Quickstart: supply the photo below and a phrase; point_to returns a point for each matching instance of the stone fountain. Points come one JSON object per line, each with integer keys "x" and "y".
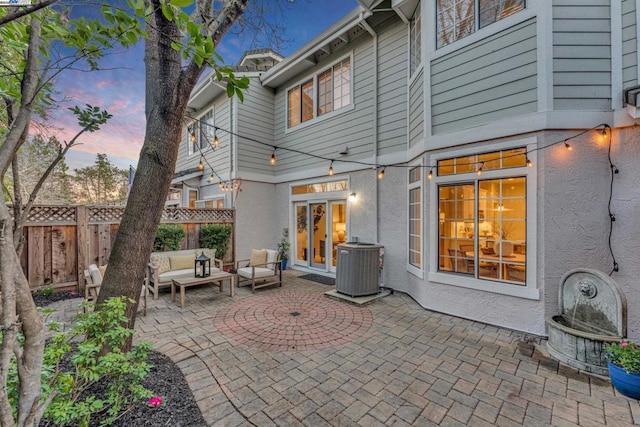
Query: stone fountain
{"x": 593, "y": 313}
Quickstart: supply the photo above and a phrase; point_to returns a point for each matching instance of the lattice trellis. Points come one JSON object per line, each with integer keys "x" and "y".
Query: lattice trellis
{"x": 197, "y": 215}
{"x": 105, "y": 214}
{"x": 51, "y": 214}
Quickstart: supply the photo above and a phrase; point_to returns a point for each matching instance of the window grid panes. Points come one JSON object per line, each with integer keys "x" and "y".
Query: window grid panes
{"x": 321, "y": 187}
{"x": 206, "y": 130}
{"x": 482, "y": 229}
{"x": 504, "y": 159}
{"x": 415, "y": 217}
{"x": 415, "y": 41}
{"x": 333, "y": 93}
{"x": 456, "y": 19}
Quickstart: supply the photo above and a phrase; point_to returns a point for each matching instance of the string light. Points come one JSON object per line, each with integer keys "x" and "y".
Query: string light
{"x": 529, "y": 162}
{"x": 381, "y": 173}
{"x": 273, "y": 157}
{"x": 216, "y": 140}
{"x": 331, "y": 168}
{"x": 430, "y": 176}
{"x": 480, "y": 168}
{"x": 193, "y": 136}
{"x": 211, "y": 178}
{"x": 567, "y": 146}
{"x": 201, "y": 164}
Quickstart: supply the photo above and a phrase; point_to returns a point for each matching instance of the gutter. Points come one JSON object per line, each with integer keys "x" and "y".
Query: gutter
{"x": 353, "y": 19}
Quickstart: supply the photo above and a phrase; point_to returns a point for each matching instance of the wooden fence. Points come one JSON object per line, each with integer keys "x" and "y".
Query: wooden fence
{"x": 61, "y": 241}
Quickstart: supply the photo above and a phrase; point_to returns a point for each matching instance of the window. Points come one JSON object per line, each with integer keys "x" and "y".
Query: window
{"x": 456, "y": 19}
{"x": 482, "y": 223}
{"x": 333, "y": 93}
{"x": 191, "y": 138}
{"x": 206, "y": 130}
{"x": 415, "y": 34}
{"x": 415, "y": 217}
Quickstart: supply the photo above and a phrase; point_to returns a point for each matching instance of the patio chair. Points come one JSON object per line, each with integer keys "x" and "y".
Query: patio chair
{"x": 263, "y": 269}
{"x": 93, "y": 281}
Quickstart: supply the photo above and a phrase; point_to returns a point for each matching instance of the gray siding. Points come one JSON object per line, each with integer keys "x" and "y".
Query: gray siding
{"x": 218, "y": 159}
{"x": 392, "y": 86}
{"x": 581, "y": 55}
{"x": 492, "y": 79}
{"x": 255, "y": 121}
{"x": 416, "y": 109}
{"x": 352, "y": 127}
{"x": 629, "y": 44}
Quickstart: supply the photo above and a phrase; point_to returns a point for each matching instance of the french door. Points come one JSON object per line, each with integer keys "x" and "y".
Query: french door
{"x": 320, "y": 226}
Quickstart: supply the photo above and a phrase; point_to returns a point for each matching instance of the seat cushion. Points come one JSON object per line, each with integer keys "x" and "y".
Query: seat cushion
{"x": 161, "y": 261}
{"x": 260, "y": 272}
{"x": 258, "y": 257}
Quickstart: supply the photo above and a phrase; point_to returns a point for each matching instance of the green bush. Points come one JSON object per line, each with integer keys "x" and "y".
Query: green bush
{"x": 168, "y": 237}
{"x": 218, "y": 237}
{"x": 70, "y": 371}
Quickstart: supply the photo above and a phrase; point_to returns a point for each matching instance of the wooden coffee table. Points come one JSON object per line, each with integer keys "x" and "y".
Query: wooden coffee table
{"x": 186, "y": 281}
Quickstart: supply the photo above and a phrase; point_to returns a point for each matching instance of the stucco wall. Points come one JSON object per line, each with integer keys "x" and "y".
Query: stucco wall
{"x": 363, "y": 213}
{"x": 256, "y": 217}
{"x": 626, "y": 228}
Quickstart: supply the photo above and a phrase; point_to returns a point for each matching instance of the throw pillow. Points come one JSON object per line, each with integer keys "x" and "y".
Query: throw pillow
{"x": 182, "y": 262}
{"x": 210, "y": 253}
{"x": 161, "y": 261}
{"x": 94, "y": 272}
{"x": 258, "y": 257}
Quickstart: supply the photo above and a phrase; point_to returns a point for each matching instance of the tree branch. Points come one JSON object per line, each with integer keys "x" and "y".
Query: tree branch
{"x": 19, "y": 13}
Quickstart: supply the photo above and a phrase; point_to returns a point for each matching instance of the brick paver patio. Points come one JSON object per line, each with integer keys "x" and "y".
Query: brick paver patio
{"x": 290, "y": 356}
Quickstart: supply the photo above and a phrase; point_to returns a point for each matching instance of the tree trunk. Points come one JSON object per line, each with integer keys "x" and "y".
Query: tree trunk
{"x": 167, "y": 91}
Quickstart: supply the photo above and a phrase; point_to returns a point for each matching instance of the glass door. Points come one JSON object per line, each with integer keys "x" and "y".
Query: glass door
{"x": 302, "y": 234}
{"x": 318, "y": 235}
{"x": 338, "y": 221}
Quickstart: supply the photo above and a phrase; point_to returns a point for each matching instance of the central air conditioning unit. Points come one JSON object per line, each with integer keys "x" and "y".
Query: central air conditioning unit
{"x": 358, "y": 268}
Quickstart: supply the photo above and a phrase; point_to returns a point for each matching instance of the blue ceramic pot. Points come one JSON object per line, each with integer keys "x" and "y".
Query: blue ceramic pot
{"x": 284, "y": 264}
{"x": 626, "y": 383}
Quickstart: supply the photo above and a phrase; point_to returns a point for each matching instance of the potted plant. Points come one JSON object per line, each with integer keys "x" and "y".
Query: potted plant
{"x": 624, "y": 367}
{"x": 283, "y": 251}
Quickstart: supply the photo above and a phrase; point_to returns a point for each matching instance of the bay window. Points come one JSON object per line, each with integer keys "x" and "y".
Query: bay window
{"x": 482, "y": 218}
{"x": 456, "y": 19}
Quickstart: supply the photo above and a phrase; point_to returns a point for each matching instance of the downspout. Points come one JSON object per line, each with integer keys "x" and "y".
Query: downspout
{"x": 374, "y": 35}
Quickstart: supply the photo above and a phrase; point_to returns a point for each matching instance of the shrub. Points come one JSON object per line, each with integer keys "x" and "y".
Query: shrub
{"x": 214, "y": 236}
{"x": 168, "y": 237}
{"x": 625, "y": 355}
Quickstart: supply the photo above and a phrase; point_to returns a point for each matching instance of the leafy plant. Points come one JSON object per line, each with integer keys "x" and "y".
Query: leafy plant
{"x": 215, "y": 236}
{"x": 46, "y": 292}
{"x": 283, "y": 248}
{"x": 625, "y": 355}
{"x": 168, "y": 237}
{"x": 69, "y": 370}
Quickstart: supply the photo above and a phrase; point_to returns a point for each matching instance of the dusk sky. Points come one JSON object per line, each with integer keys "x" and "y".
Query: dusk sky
{"x": 119, "y": 88}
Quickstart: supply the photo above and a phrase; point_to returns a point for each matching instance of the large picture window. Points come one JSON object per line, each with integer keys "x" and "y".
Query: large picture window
{"x": 482, "y": 223}
{"x": 305, "y": 102}
{"x": 456, "y": 19}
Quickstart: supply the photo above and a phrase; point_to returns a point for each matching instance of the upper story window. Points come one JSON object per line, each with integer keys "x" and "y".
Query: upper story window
{"x": 305, "y": 102}
{"x": 456, "y": 19}
{"x": 200, "y": 133}
{"x": 415, "y": 34}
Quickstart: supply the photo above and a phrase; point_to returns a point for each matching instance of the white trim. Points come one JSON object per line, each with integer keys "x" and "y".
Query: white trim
{"x": 637, "y": 42}
{"x": 544, "y": 41}
{"x": 529, "y": 291}
{"x": 481, "y": 33}
{"x": 410, "y": 74}
{"x": 616, "y": 54}
{"x": 314, "y": 78}
{"x": 416, "y": 271}
{"x": 519, "y": 125}
{"x": 428, "y": 45}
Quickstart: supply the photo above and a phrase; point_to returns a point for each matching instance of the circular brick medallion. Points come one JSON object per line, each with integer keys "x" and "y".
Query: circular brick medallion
{"x": 293, "y": 321}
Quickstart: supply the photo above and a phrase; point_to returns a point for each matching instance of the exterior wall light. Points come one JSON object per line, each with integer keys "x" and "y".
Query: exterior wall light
{"x": 353, "y": 197}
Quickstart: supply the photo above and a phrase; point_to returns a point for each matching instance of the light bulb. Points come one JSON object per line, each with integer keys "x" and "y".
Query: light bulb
{"x": 381, "y": 174}
{"x": 193, "y": 137}
{"x": 529, "y": 162}
{"x": 273, "y": 159}
{"x": 568, "y": 146}
{"x": 211, "y": 178}
{"x": 430, "y": 174}
{"x": 216, "y": 141}
{"x": 480, "y": 168}
{"x": 331, "y": 168}
{"x": 200, "y": 165}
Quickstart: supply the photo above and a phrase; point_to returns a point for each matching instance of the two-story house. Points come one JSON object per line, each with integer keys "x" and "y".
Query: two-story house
{"x": 465, "y": 136}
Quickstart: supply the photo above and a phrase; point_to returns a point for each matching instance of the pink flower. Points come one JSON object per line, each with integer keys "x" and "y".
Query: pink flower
{"x": 155, "y": 401}
{"x": 73, "y": 293}
{"x": 624, "y": 344}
